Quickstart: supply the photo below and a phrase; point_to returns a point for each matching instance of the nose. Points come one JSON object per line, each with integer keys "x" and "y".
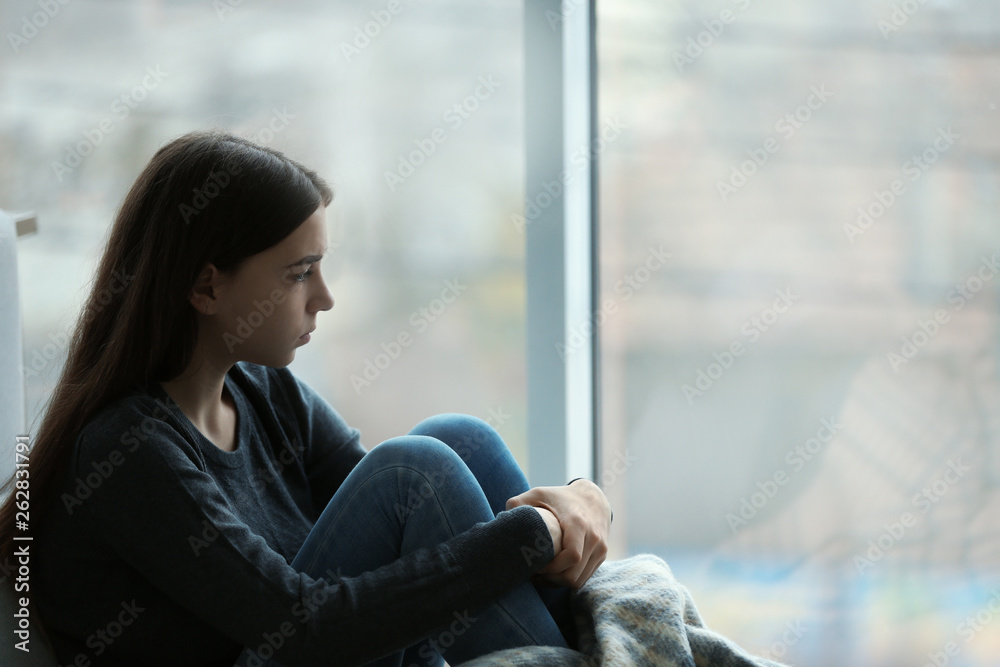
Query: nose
{"x": 322, "y": 299}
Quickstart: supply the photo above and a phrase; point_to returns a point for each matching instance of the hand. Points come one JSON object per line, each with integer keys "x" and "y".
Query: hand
{"x": 584, "y": 516}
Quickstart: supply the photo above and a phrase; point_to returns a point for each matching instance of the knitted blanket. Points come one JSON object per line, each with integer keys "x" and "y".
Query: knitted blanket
{"x": 633, "y": 613}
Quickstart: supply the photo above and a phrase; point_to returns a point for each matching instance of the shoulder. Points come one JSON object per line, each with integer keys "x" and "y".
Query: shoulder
{"x": 138, "y": 413}
{"x": 139, "y": 422}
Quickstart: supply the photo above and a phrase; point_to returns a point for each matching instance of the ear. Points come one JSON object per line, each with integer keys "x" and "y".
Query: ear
{"x": 207, "y": 288}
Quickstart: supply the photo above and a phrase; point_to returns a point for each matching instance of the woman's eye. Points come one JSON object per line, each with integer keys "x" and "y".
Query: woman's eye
{"x": 301, "y": 277}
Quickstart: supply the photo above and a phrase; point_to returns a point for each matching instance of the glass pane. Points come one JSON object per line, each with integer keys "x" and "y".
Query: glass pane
{"x": 414, "y": 115}
{"x": 800, "y": 403}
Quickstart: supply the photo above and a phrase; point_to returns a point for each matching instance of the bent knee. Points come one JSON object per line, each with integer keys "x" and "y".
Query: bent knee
{"x": 463, "y": 433}
{"x": 450, "y": 422}
{"x": 412, "y": 451}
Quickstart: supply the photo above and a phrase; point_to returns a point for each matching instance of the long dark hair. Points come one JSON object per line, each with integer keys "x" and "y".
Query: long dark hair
{"x": 206, "y": 197}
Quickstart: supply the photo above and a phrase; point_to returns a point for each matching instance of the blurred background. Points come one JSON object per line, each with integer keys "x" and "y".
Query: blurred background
{"x": 800, "y": 404}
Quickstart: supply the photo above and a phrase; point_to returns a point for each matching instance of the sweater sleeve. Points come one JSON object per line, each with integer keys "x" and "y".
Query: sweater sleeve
{"x": 169, "y": 521}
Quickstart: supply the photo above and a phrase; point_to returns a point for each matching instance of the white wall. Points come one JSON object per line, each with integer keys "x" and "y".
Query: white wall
{"x": 11, "y": 375}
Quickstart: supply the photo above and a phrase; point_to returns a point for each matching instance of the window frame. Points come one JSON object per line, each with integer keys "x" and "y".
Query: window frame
{"x": 561, "y": 267}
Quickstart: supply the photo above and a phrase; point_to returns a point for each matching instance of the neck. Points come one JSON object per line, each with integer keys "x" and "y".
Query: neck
{"x": 198, "y": 392}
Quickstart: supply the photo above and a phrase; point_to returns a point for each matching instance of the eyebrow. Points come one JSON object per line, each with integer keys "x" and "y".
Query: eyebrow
{"x": 308, "y": 259}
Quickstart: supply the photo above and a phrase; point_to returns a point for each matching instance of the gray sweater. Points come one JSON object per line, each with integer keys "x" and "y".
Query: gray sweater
{"x": 163, "y": 549}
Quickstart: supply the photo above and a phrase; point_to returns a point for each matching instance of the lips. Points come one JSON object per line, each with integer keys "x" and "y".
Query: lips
{"x": 306, "y": 337}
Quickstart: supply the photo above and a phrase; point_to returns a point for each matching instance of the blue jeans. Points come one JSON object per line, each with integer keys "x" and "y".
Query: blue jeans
{"x": 450, "y": 473}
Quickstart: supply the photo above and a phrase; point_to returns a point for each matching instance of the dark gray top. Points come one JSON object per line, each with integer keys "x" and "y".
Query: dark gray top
{"x": 163, "y": 549}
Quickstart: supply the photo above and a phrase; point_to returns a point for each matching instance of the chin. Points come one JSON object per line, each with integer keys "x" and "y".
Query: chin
{"x": 284, "y": 362}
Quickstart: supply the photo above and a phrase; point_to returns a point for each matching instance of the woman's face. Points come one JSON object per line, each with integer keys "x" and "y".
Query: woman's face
{"x": 267, "y": 308}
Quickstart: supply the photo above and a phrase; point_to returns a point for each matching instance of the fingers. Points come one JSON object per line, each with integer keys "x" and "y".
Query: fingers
{"x": 597, "y": 556}
{"x": 567, "y": 563}
{"x": 583, "y": 552}
{"x": 583, "y": 519}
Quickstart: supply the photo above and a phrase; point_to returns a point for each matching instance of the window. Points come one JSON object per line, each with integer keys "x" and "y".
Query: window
{"x": 798, "y": 237}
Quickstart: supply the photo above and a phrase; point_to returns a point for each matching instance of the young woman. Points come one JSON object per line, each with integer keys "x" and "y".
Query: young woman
{"x": 193, "y": 503}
